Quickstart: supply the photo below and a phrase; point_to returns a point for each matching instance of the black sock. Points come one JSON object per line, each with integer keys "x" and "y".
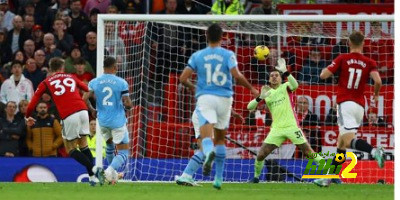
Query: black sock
{"x": 361, "y": 145}
{"x": 87, "y": 152}
{"x": 83, "y": 160}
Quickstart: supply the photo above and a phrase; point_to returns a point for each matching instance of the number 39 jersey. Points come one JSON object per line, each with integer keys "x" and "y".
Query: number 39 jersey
{"x": 109, "y": 89}
{"x": 213, "y": 66}
{"x": 64, "y": 91}
{"x": 354, "y": 70}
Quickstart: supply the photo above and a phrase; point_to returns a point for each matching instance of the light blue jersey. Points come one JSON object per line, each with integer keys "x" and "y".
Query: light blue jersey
{"x": 109, "y": 90}
{"x": 213, "y": 66}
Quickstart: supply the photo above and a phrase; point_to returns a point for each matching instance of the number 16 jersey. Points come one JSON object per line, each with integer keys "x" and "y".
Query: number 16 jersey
{"x": 109, "y": 89}
{"x": 64, "y": 91}
{"x": 354, "y": 70}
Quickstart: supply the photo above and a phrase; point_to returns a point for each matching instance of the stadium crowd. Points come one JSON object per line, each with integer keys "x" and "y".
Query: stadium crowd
{"x": 34, "y": 31}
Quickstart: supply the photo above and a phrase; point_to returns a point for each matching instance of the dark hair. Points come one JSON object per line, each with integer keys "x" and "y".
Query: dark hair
{"x": 214, "y": 33}
{"x": 356, "y": 38}
{"x": 109, "y": 62}
{"x": 16, "y": 62}
{"x": 94, "y": 11}
{"x": 80, "y": 61}
{"x": 56, "y": 64}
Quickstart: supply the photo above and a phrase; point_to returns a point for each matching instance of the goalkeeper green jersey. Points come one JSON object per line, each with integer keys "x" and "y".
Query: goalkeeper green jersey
{"x": 281, "y": 107}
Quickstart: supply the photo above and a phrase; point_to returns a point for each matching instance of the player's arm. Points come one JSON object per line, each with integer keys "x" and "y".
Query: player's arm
{"x": 331, "y": 69}
{"x": 293, "y": 84}
{"x": 184, "y": 78}
{"x": 237, "y": 116}
{"x": 241, "y": 80}
{"x": 85, "y": 97}
{"x": 325, "y": 74}
{"x": 32, "y": 104}
{"x": 377, "y": 84}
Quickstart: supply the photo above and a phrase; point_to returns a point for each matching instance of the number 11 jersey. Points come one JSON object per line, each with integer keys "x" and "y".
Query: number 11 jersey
{"x": 354, "y": 70}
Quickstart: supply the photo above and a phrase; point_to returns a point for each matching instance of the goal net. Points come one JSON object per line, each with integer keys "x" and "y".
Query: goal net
{"x": 153, "y": 50}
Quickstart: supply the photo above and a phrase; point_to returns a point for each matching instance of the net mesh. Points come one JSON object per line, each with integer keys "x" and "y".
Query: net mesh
{"x": 151, "y": 55}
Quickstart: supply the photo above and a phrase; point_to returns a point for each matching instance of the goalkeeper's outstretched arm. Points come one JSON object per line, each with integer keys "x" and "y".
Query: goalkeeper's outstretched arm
{"x": 264, "y": 94}
{"x": 293, "y": 84}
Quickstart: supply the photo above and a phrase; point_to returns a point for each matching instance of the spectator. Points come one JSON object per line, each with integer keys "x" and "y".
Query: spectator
{"x": 91, "y": 27}
{"x": 50, "y": 48}
{"x": 80, "y": 72}
{"x": 17, "y": 87}
{"x": 89, "y": 50}
{"x": 374, "y": 120}
{"x": 6, "y": 70}
{"x": 40, "y": 58}
{"x": 115, "y": 45}
{"x": 312, "y": 68}
{"x": 78, "y": 20}
{"x": 318, "y": 37}
{"x": 61, "y": 6}
{"x": 5, "y": 49}
{"x": 188, "y": 7}
{"x": 33, "y": 73}
{"x": 44, "y": 137}
{"x": 304, "y": 115}
{"x": 331, "y": 118}
{"x": 11, "y": 130}
{"x": 74, "y": 55}
{"x": 63, "y": 40}
{"x": 6, "y": 16}
{"x": 91, "y": 140}
{"x": 17, "y": 36}
{"x": 51, "y": 107}
{"x": 22, "y": 106}
{"x": 131, "y": 6}
{"x": 265, "y": 9}
{"x": 227, "y": 7}
{"x": 29, "y": 48}
{"x": 29, "y": 22}
{"x": 342, "y": 46}
{"x": 37, "y": 36}
{"x": 101, "y": 5}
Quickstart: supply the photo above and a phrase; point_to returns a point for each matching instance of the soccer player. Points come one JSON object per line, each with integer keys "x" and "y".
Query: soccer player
{"x": 279, "y": 100}
{"x": 64, "y": 90}
{"x": 354, "y": 70}
{"x": 112, "y": 100}
{"x": 196, "y": 161}
{"x": 215, "y": 67}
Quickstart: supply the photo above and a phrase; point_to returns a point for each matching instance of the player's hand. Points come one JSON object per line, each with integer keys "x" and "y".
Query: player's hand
{"x": 281, "y": 65}
{"x": 238, "y": 116}
{"x": 30, "y": 121}
{"x": 264, "y": 91}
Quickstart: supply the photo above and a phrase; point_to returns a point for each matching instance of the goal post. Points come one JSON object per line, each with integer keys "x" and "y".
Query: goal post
{"x": 152, "y": 50}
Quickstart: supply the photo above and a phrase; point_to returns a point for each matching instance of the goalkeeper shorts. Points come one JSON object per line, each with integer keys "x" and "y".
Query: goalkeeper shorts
{"x": 278, "y": 135}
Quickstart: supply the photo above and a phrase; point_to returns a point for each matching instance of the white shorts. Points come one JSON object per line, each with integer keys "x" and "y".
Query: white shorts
{"x": 196, "y": 126}
{"x": 214, "y": 110}
{"x": 117, "y": 134}
{"x": 75, "y": 125}
{"x": 350, "y": 116}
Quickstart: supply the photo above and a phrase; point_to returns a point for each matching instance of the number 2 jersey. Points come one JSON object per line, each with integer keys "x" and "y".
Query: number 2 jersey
{"x": 64, "y": 91}
{"x": 109, "y": 89}
{"x": 354, "y": 70}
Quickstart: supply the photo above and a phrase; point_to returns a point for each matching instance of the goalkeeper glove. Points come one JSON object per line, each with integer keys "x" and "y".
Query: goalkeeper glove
{"x": 264, "y": 91}
{"x": 281, "y": 65}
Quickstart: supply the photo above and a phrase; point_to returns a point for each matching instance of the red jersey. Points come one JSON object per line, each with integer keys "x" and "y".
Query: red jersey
{"x": 64, "y": 91}
{"x": 354, "y": 70}
{"x": 85, "y": 77}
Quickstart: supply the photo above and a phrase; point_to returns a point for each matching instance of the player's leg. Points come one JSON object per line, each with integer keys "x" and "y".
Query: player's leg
{"x": 110, "y": 146}
{"x": 206, "y": 111}
{"x": 220, "y": 154}
{"x": 121, "y": 141}
{"x": 264, "y": 151}
{"x": 296, "y": 136}
{"x": 70, "y": 133}
{"x": 349, "y": 119}
{"x": 196, "y": 161}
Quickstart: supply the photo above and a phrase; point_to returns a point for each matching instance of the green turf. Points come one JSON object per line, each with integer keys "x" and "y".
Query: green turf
{"x": 161, "y": 191}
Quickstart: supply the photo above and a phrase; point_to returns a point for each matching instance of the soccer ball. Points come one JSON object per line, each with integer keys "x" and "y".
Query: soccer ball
{"x": 261, "y": 52}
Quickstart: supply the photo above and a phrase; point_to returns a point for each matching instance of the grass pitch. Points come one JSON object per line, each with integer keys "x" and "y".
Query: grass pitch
{"x": 161, "y": 191}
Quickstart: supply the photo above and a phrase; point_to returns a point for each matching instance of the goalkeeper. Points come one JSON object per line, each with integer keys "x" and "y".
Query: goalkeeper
{"x": 278, "y": 98}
